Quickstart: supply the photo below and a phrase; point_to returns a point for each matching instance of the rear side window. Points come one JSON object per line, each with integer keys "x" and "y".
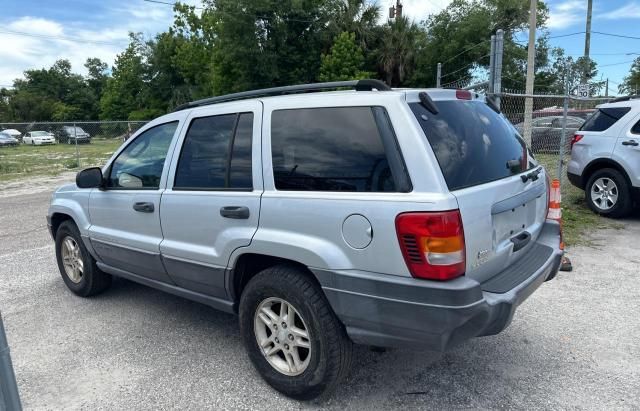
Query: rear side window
{"x": 216, "y": 154}
{"x": 472, "y": 143}
{"x": 336, "y": 149}
{"x": 636, "y": 128}
{"x": 604, "y": 118}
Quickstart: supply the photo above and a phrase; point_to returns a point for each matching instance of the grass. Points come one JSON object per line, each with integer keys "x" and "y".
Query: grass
{"x": 27, "y": 161}
{"x": 577, "y": 218}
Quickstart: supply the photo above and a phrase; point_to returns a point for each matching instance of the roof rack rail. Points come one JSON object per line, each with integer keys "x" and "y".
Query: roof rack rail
{"x": 358, "y": 85}
{"x": 625, "y": 98}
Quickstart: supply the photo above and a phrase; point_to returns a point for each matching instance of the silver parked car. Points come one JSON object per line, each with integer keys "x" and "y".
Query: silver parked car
{"x": 605, "y": 157}
{"x": 394, "y": 218}
{"x": 6, "y": 140}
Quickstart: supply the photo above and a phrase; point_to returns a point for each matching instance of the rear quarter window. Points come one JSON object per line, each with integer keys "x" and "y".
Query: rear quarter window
{"x": 336, "y": 149}
{"x": 603, "y": 118}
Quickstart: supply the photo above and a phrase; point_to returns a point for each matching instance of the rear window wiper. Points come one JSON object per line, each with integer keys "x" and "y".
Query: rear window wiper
{"x": 427, "y": 102}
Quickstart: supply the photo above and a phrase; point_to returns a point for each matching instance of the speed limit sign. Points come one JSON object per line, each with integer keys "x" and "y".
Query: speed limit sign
{"x": 583, "y": 90}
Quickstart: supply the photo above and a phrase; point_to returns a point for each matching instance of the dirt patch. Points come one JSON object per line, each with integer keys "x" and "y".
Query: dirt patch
{"x": 31, "y": 184}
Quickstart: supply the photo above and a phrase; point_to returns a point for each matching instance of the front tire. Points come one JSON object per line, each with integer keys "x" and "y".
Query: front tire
{"x": 608, "y": 194}
{"x": 291, "y": 334}
{"x": 77, "y": 267}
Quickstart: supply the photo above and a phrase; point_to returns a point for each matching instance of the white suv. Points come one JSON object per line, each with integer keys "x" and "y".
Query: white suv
{"x": 605, "y": 157}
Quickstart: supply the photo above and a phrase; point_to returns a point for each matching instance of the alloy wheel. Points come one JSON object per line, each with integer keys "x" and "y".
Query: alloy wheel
{"x": 72, "y": 259}
{"x": 283, "y": 336}
{"x": 604, "y": 193}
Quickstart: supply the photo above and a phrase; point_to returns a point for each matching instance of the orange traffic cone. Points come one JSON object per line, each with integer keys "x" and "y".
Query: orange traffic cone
{"x": 555, "y": 213}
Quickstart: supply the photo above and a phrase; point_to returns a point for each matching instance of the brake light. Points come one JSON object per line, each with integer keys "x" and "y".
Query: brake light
{"x": 575, "y": 139}
{"x": 463, "y": 94}
{"x": 432, "y": 244}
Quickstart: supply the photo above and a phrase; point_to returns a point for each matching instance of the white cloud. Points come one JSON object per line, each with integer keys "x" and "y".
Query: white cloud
{"x": 628, "y": 11}
{"x": 50, "y": 40}
{"x": 566, "y": 14}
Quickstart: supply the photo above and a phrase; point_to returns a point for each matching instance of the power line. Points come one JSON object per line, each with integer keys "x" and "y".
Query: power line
{"x": 230, "y": 13}
{"x": 465, "y": 67}
{"x": 171, "y": 4}
{"x": 63, "y": 38}
{"x": 617, "y": 64}
{"x": 465, "y": 50}
{"x": 616, "y": 35}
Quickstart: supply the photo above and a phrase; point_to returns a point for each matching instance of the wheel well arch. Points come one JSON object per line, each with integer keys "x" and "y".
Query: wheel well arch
{"x": 599, "y": 164}
{"x": 249, "y": 264}
{"x": 56, "y": 220}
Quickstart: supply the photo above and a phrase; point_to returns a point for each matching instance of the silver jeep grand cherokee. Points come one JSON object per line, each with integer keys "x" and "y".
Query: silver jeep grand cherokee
{"x": 412, "y": 218}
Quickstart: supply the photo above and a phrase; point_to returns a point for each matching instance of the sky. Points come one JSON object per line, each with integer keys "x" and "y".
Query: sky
{"x": 35, "y": 33}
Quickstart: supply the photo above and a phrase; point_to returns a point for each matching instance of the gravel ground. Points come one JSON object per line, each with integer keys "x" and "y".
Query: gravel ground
{"x": 573, "y": 344}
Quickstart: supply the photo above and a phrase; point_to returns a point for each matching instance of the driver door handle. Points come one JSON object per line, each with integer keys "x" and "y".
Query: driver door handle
{"x": 630, "y": 143}
{"x": 144, "y": 207}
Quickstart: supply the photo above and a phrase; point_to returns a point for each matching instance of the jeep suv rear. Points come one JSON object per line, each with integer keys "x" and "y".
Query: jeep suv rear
{"x": 410, "y": 218}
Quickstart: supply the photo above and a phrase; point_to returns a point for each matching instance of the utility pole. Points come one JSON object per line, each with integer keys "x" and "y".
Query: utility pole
{"x": 606, "y": 90}
{"x": 439, "y": 75}
{"x": 587, "y": 39}
{"x": 531, "y": 55}
{"x": 395, "y": 11}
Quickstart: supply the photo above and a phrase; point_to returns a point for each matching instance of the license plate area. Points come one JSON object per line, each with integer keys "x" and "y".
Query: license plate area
{"x": 512, "y": 222}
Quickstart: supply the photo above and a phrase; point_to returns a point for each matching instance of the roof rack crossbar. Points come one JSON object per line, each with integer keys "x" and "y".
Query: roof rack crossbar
{"x": 359, "y": 85}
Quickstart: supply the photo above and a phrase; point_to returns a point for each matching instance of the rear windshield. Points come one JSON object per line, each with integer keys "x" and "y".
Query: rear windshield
{"x": 473, "y": 144}
{"x": 604, "y": 118}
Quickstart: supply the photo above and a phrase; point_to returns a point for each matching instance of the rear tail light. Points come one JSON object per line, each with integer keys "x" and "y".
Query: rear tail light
{"x": 463, "y": 94}
{"x": 575, "y": 139}
{"x": 432, "y": 244}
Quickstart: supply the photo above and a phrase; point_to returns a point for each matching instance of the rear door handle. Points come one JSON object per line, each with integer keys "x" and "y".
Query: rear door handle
{"x": 630, "y": 143}
{"x": 144, "y": 207}
{"x": 236, "y": 212}
{"x": 520, "y": 241}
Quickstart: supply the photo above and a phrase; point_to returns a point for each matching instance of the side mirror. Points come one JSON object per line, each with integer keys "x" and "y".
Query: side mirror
{"x": 89, "y": 178}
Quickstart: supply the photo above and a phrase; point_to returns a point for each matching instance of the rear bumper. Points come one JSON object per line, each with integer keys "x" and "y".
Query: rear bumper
{"x": 388, "y": 311}
{"x": 575, "y": 180}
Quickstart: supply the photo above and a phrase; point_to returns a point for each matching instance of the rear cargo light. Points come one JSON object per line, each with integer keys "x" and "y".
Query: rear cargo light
{"x": 463, "y": 94}
{"x": 575, "y": 139}
{"x": 432, "y": 244}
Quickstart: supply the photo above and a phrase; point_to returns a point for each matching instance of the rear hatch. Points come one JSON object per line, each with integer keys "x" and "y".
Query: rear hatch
{"x": 500, "y": 189}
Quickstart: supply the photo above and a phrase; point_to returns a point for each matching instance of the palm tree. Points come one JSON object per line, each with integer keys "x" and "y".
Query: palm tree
{"x": 356, "y": 16}
{"x": 398, "y": 50}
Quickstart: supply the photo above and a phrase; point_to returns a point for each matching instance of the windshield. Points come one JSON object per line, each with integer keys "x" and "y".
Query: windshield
{"x": 472, "y": 143}
{"x": 78, "y": 130}
{"x": 40, "y": 134}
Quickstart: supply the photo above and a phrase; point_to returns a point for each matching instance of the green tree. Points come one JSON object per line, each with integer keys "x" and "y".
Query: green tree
{"x": 44, "y": 92}
{"x": 344, "y": 62}
{"x": 631, "y": 83}
{"x": 124, "y": 91}
{"x": 458, "y": 37}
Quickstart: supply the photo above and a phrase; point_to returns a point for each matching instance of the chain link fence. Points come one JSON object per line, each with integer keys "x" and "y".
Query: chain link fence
{"x": 549, "y": 144}
{"x": 48, "y": 148}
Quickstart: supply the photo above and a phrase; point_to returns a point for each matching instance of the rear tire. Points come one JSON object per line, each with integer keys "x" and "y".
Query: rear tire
{"x": 77, "y": 267}
{"x": 328, "y": 359}
{"x": 608, "y": 194}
